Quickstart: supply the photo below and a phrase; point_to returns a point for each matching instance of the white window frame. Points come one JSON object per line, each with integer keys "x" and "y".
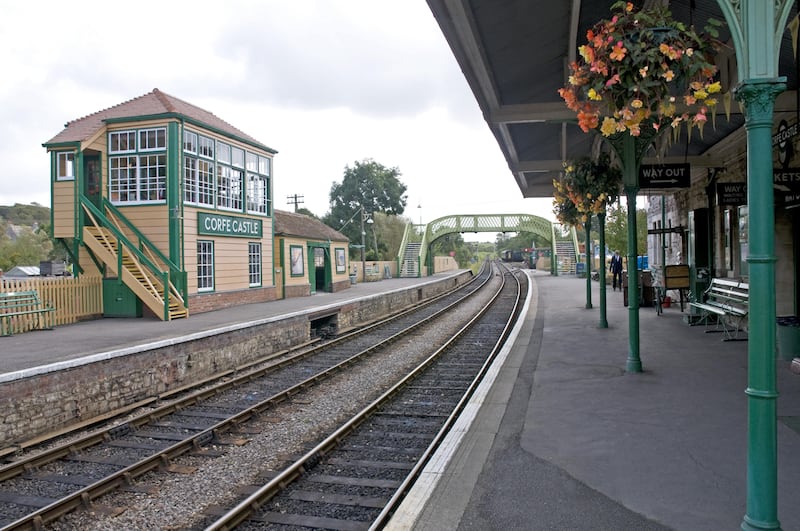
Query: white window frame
{"x": 205, "y": 147}
{"x": 254, "y": 264}
{"x": 229, "y": 188}
{"x": 223, "y": 152}
{"x": 257, "y": 194}
{"x": 137, "y": 176}
{"x": 198, "y": 181}
{"x": 122, "y": 179}
{"x": 114, "y": 140}
{"x": 190, "y": 142}
{"x": 152, "y": 178}
{"x": 158, "y": 135}
{"x": 205, "y": 265}
{"x": 65, "y": 160}
{"x": 237, "y": 157}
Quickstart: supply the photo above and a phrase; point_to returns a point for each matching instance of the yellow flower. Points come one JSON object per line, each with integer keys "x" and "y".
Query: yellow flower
{"x": 593, "y": 95}
{"x": 668, "y": 75}
{"x": 609, "y": 126}
{"x": 700, "y": 94}
{"x": 637, "y": 103}
{"x": 714, "y": 87}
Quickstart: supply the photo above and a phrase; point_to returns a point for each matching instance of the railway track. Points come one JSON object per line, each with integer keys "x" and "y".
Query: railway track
{"x": 356, "y": 477}
{"x": 41, "y": 488}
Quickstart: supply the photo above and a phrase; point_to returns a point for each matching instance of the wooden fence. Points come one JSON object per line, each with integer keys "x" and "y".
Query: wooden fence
{"x": 74, "y": 298}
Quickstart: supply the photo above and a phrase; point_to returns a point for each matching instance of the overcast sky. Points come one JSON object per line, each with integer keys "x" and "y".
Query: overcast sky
{"x": 323, "y": 82}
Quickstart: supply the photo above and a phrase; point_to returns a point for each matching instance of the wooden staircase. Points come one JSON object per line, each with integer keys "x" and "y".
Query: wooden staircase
{"x": 150, "y": 284}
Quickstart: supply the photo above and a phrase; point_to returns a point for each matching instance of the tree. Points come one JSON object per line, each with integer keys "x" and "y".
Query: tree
{"x": 27, "y": 250}
{"x": 617, "y": 228}
{"x": 387, "y": 233}
{"x": 368, "y": 185}
{"x": 306, "y": 212}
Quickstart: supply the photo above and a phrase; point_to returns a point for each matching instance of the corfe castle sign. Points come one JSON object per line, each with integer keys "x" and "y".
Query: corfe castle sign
{"x": 219, "y": 225}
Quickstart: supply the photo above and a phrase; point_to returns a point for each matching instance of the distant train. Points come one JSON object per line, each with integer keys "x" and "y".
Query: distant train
{"x": 527, "y": 256}
{"x": 510, "y": 255}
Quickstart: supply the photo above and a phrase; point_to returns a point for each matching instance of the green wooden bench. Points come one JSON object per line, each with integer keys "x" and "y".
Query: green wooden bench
{"x": 726, "y": 301}
{"x": 21, "y": 311}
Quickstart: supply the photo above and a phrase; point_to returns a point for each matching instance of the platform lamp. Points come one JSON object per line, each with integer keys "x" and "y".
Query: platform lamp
{"x": 363, "y": 235}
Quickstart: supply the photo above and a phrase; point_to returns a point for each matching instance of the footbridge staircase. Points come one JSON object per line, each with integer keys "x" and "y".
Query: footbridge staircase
{"x": 124, "y": 251}
{"x": 414, "y": 256}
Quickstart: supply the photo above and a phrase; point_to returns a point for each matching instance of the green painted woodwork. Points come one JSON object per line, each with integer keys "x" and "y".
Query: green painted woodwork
{"x": 174, "y": 202}
{"x": 757, "y": 27}
{"x": 197, "y": 123}
{"x": 601, "y": 221}
{"x": 758, "y": 97}
{"x": 588, "y": 228}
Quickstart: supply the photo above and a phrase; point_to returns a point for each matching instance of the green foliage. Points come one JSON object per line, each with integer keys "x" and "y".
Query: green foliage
{"x": 455, "y": 244}
{"x": 306, "y": 212}
{"x": 32, "y": 245}
{"x": 25, "y": 214}
{"x": 522, "y": 240}
{"x": 387, "y": 231}
{"x": 27, "y": 250}
{"x": 366, "y": 184}
{"x": 617, "y": 229}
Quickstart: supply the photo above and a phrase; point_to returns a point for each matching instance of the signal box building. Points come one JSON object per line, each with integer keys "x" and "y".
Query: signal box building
{"x": 171, "y": 205}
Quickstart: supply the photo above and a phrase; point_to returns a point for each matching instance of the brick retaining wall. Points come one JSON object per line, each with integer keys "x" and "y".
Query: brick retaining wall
{"x": 30, "y": 407}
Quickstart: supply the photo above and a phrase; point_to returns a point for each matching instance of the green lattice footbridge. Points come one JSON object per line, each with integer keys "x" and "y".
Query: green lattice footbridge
{"x": 418, "y": 238}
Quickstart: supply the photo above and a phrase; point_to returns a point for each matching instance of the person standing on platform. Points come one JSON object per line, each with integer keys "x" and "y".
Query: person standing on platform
{"x": 616, "y": 270}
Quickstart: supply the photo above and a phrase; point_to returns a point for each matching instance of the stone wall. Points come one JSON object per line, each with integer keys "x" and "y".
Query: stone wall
{"x": 33, "y": 406}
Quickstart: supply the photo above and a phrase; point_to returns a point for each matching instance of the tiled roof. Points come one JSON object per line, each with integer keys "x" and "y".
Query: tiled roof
{"x": 151, "y": 104}
{"x": 292, "y": 224}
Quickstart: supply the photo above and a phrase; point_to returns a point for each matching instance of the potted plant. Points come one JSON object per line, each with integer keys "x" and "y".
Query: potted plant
{"x": 642, "y": 69}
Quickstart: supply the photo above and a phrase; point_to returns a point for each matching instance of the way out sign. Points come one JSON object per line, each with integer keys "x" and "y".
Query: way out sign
{"x": 665, "y": 175}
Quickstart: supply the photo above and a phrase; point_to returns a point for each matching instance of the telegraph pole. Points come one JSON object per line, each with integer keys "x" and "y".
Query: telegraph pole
{"x": 294, "y": 200}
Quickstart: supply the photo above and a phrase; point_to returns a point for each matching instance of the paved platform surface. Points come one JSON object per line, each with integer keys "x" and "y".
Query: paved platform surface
{"x": 563, "y": 439}
{"x": 566, "y": 440}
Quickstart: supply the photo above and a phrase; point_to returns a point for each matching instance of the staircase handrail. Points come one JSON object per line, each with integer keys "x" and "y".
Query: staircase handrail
{"x": 163, "y": 276}
{"x": 143, "y": 241}
{"x": 574, "y": 234}
{"x": 401, "y": 253}
{"x": 147, "y": 247}
{"x": 423, "y": 248}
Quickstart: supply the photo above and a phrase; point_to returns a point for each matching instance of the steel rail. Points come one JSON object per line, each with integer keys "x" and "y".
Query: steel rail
{"x": 247, "y": 507}
{"x": 126, "y": 476}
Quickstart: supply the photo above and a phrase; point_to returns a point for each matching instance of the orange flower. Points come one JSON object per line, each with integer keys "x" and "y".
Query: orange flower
{"x": 619, "y": 51}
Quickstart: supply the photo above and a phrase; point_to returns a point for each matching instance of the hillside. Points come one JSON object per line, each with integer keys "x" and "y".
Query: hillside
{"x": 25, "y": 214}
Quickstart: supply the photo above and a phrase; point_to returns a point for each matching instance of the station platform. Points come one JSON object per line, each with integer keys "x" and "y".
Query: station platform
{"x": 40, "y": 351}
{"x": 565, "y": 439}
{"x": 561, "y": 437}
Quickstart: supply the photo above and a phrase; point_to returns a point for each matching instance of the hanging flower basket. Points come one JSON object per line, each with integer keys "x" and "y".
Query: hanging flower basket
{"x": 643, "y": 68}
{"x": 585, "y": 188}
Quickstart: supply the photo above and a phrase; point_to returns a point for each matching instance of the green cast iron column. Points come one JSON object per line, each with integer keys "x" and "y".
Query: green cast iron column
{"x": 588, "y": 269}
{"x": 601, "y": 221}
{"x": 758, "y": 97}
{"x": 630, "y": 180}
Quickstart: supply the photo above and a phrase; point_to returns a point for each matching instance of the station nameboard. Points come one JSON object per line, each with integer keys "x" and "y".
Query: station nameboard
{"x": 665, "y": 175}
{"x": 219, "y": 225}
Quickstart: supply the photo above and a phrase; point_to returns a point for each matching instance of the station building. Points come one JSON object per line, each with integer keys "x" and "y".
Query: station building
{"x": 172, "y": 207}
